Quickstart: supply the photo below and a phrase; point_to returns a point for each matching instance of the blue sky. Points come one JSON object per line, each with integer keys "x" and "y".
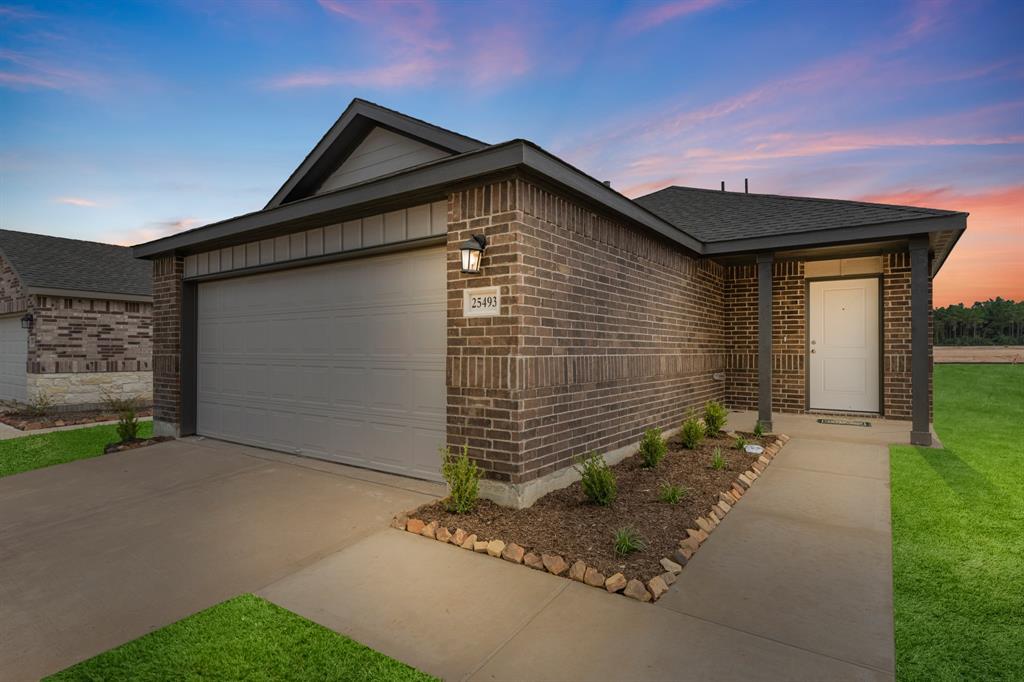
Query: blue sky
{"x": 127, "y": 121}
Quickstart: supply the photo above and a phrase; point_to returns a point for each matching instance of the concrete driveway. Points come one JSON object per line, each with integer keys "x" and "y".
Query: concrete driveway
{"x": 97, "y": 552}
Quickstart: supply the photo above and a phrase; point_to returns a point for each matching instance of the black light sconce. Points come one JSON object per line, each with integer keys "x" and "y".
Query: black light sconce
{"x": 472, "y": 252}
{"x": 26, "y": 321}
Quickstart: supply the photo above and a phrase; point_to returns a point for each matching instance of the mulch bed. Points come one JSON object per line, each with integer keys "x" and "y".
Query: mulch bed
{"x": 31, "y": 422}
{"x": 135, "y": 443}
{"x": 564, "y": 522}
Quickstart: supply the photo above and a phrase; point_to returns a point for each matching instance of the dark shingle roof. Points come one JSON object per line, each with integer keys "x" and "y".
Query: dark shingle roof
{"x": 58, "y": 263}
{"x": 716, "y": 216}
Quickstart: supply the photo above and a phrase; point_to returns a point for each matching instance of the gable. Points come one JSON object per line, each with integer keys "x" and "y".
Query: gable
{"x": 380, "y": 153}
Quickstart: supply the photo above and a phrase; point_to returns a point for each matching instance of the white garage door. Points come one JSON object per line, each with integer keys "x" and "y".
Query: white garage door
{"x": 342, "y": 361}
{"x": 13, "y": 358}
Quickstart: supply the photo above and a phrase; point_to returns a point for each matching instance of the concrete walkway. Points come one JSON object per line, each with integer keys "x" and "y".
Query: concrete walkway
{"x": 796, "y": 584}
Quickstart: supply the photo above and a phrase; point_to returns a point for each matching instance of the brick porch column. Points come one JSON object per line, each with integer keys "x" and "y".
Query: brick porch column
{"x": 920, "y": 304}
{"x": 764, "y": 339}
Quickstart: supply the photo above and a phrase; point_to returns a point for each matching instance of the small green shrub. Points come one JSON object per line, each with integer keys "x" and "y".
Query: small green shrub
{"x": 692, "y": 432}
{"x": 628, "y": 541}
{"x": 715, "y": 416}
{"x": 758, "y": 429}
{"x": 127, "y": 426}
{"x": 741, "y": 443}
{"x": 652, "y": 448}
{"x": 671, "y": 493}
{"x": 598, "y": 481}
{"x": 463, "y": 477}
{"x": 717, "y": 460}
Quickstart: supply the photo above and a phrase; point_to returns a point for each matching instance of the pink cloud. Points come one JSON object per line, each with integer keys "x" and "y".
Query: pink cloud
{"x": 29, "y": 72}
{"x": 76, "y": 201}
{"x": 399, "y": 75}
{"x": 151, "y": 231}
{"x": 646, "y": 17}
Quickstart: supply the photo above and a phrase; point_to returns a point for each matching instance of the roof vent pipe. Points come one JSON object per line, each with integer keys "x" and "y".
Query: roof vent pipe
{"x": 606, "y": 183}
{"x": 723, "y": 185}
{"x": 746, "y": 185}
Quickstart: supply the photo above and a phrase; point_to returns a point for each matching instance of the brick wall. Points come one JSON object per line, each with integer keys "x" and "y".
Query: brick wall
{"x": 12, "y": 296}
{"x": 89, "y": 335}
{"x": 609, "y": 331}
{"x": 789, "y": 371}
{"x": 167, "y": 289}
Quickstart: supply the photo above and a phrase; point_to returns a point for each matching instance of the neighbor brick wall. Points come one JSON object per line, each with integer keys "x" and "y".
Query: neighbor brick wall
{"x": 71, "y": 335}
{"x": 789, "y": 371}
{"x": 12, "y": 295}
{"x": 609, "y": 331}
{"x": 167, "y": 289}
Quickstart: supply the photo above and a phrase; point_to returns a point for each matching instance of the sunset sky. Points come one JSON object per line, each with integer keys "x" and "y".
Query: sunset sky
{"x": 123, "y": 122}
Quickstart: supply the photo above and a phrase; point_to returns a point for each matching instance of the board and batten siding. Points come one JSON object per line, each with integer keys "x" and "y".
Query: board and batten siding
{"x": 381, "y": 153}
{"x": 406, "y": 224}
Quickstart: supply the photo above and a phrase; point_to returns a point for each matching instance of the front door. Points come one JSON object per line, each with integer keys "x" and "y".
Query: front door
{"x": 843, "y": 345}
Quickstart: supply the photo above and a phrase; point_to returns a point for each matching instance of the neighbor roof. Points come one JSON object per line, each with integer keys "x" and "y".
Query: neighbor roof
{"x": 718, "y": 216}
{"x": 45, "y": 262}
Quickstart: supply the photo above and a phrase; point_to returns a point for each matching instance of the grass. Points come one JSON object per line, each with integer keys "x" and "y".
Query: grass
{"x": 245, "y": 638}
{"x": 46, "y": 449}
{"x": 958, "y": 532}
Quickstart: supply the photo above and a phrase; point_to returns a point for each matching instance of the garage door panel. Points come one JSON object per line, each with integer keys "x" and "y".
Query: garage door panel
{"x": 342, "y": 361}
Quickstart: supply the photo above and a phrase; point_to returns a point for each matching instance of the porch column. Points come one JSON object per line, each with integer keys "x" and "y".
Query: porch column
{"x": 920, "y": 304}
{"x": 764, "y": 340}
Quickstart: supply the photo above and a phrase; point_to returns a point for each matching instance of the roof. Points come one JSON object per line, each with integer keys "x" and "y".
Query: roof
{"x": 45, "y": 262}
{"x": 718, "y": 216}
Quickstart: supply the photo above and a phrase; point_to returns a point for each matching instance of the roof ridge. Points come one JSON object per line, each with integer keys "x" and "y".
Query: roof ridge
{"x": 418, "y": 120}
{"x": 925, "y": 209}
{"x": 67, "y": 239}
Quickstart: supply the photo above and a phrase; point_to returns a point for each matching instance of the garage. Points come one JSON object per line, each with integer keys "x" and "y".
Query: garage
{"x": 343, "y": 361}
{"x": 13, "y": 357}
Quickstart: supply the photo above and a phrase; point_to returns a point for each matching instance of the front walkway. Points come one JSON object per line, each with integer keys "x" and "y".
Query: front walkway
{"x": 795, "y": 584}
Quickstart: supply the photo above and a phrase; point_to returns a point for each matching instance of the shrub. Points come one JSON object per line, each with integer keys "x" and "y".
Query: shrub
{"x": 118, "y": 404}
{"x": 628, "y": 541}
{"x": 692, "y": 432}
{"x": 652, "y": 448}
{"x": 127, "y": 426}
{"x": 715, "y": 416}
{"x": 39, "y": 405}
{"x": 758, "y": 429}
{"x": 671, "y": 493}
{"x": 717, "y": 460}
{"x": 741, "y": 443}
{"x": 598, "y": 481}
{"x": 462, "y": 476}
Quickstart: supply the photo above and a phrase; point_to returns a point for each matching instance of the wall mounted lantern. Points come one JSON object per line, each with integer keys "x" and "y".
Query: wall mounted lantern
{"x": 26, "y": 321}
{"x": 472, "y": 251}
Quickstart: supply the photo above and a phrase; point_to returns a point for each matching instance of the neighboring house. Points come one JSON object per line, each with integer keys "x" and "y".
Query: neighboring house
{"x": 338, "y": 322}
{"x": 75, "y": 321}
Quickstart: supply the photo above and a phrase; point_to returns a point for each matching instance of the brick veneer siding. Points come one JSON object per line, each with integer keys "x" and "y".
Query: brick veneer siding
{"x": 167, "y": 289}
{"x": 12, "y": 295}
{"x": 608, "y": 331}
{"x": 789, "y": 336}
{"x": 72, "y": 335}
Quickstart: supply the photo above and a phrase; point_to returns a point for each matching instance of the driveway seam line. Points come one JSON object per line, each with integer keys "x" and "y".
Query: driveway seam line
{"x": 526, "y": 624}
{"x": 830, "y": 473}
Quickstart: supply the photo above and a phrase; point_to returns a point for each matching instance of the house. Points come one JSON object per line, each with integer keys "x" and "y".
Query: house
{"x": 409, "y": 287}
{"x": 75, "y": 321}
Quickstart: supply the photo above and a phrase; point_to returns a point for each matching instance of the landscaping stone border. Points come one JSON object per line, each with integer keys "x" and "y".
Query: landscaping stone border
{"x": 644, "y": 591}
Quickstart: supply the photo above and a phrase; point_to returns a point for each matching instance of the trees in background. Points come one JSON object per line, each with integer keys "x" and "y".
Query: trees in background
{"x": 995, "y": 322}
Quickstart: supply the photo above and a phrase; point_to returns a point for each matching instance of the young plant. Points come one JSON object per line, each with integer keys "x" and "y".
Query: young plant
{"x": 717, "y": 460}
{"x": 463, "y": 477}
{"x": 758, "y": 429}
{"x": 627, "y": 541}
{"x": 652, "y": 448}
{"x": 598, "y": 481}
{"x": 39, "y": 405}
{"x": 692, "y": 432}
{"x": 127, "y": 426}
{"x": 741, "y": 443}
{"x": 671, "y": 493}
{"x": 715, "y": 416}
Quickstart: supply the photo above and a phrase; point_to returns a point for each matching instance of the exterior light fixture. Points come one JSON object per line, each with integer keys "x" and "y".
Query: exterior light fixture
{"x": 472, "y": 251}
{"x": 26, "y": 321}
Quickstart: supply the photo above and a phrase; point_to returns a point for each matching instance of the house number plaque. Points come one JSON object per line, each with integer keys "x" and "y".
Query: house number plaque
{"x": 481, "y": 302}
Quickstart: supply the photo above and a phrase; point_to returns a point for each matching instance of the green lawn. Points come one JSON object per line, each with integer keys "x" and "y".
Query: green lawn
{"x": 958, "y": 532}
{"x": 245, "y": 638}
{"x": 46, "y": 449}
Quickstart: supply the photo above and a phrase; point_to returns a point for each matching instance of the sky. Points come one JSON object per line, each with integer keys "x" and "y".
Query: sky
{"x": 124, "y": 122}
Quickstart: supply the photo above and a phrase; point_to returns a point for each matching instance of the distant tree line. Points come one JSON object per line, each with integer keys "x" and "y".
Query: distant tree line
{"x": 995, "y": 322}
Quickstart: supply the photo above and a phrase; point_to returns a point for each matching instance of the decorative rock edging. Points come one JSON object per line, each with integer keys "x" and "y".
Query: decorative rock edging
{"x": 554, "y": 564}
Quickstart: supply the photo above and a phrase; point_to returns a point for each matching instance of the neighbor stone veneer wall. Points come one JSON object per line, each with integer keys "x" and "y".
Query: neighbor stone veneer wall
{"x": 167, "y": 289}
{"x": 91, "y": 388}
{"x": 607, "y": 331}
{"x": 789, "y": 371}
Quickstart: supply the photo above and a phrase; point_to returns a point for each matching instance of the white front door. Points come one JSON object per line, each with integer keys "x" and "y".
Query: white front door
{"x": 843, "y": 345}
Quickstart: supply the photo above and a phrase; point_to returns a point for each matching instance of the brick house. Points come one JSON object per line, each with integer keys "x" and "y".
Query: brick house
{"x": 75, "y": 321}
{"x": 340, "y": 321}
